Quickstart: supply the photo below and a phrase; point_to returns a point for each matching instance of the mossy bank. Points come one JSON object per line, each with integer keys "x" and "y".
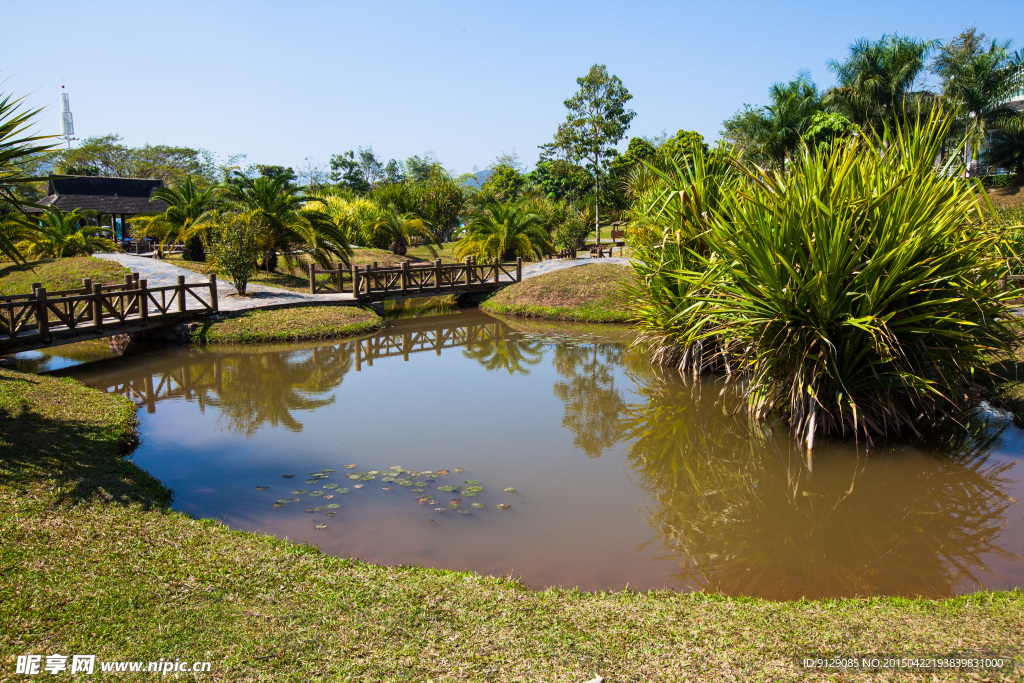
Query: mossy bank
{"x": 587, "y": 293}
{"x": 93, "y": 561}
{"x": 303, "y": 323}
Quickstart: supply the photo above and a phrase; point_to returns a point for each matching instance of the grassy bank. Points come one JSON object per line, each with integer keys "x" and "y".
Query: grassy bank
{"x": 289, "y": 324}
{"x": 587, "y": 293}
{"x": 56, "y": 274}
{"x": 91, "y": 561}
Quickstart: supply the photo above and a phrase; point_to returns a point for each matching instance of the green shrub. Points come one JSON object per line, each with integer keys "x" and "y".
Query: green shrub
{"x": 239, "y": 245}
{"x": 853, "y": 293}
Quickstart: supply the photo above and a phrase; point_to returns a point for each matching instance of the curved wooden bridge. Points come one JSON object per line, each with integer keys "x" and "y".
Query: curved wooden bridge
{"x": 370, "y": 283}
{"x": 41, "y": 319}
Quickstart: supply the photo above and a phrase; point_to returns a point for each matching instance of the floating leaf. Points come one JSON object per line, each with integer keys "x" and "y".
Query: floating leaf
{"x": 503, "y": 506}
{"x": 387, "y": 480}
{"x": 309, "y": 511}
{"x": 374, "y": 472}
{"x": 385, "y": 488}
{"x": 354, "y": 477}
{"x": 446, "y": 489}
{"x": 331, "y": 513}
{"x": 319, "y": 508}
{"x": 358, "y": 486}
{"x": 283, "y": 501}
{"x": 472, "y": 482}
{"x": 312, "y": 481}
{"x": 299, "y": 492}
{"x": 438, "y": 510}
{"x": 277, "y": 505}
{"x": 510, "y": 490}
{"x": 287, "y": 476}
{"x": 420, "y": 490}
{"x": 329, "y": 496}
{"x": 368, "y": 478}
{"x": 443, "y": 472}
{"x": 326, "y": 470}
{"x": 330, "y": 486}
{"x": 465, "y": 512}
{"x": 319, "y": 526}
{"x": 294, "y": 500}
{"x": 474, "y": 489}
{"x": 469, "y": 494}
{"x": 405, "y": 483}
{"x": 395, "y": 467}
{"x": 427, "y": 472}
{"x": 479, "y": 506}
{"x": 332, "y": 506}
{"x": 424, "y": 500}
{"x": 314, "y": 494}
{"x": 460, "y": 469}
{"x": 318, "y": 475}
{"x": 262, "y": 488}
{"x": 350, "y": 467}
{"x": 421, "y": 483}
{"x": 342, "y": 490}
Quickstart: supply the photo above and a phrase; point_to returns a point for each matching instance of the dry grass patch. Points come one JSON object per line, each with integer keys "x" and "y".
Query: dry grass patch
{"x": 57, "y": 274}
{"x": 289, "y": 324}
{"x": 1004, "y": 197}
{"x": 589, "y": 293}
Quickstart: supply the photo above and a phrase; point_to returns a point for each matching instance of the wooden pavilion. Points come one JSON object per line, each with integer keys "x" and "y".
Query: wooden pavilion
{"x": 116, "y": 199}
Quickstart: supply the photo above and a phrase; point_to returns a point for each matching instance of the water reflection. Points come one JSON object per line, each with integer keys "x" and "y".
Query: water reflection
{"x": 738, "y": 510}
{"x": 594, "y": 405}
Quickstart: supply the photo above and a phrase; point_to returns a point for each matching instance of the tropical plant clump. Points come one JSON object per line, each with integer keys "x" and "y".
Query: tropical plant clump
{"x": 239, "y": 246}
{"x": 854, "y": 293}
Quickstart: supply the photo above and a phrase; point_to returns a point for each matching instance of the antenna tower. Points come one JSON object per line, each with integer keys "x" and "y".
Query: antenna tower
{"x": 67, "y": 124}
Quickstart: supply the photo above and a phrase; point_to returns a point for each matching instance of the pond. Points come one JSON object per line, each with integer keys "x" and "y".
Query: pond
{"x": 558, "y": 455}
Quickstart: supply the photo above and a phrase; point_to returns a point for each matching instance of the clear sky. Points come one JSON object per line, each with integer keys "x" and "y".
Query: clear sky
{"x": 282, "y": 81}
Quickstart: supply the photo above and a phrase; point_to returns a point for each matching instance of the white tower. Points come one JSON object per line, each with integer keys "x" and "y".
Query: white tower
{"x": 67, "y": 124}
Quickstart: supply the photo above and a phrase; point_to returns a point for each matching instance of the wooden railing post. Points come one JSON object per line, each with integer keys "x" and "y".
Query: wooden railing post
{"x": 312, "y": 278}
{"x": 142, "y": 296}
{"x": 405, "y": 276}
{"x": 494, "y": 268}
{"x": 519, "y": 269}
{"x": 213, "y": 292}
{"x": 42, "y": 315}
{"x": 181, "y": 294}
{"x": 86, "y": 291}
{"x": 341, "y": 280}
{"x": 355, "y": 281}
{"x": 129, "y": 285}
{"x": 469, "y": 271}
{"x": 97, "y": 306}
{"x": 437, "y": 273}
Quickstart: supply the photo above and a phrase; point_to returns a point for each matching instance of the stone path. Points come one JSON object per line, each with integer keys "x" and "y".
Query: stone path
{"x": 160, "y": 273}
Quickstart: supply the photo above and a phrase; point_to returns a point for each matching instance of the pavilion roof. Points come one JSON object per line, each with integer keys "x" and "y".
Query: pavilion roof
{"x": 129, "y": 196}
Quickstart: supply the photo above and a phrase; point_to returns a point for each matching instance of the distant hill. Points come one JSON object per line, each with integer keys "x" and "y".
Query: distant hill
{"x": 479, "y": 178}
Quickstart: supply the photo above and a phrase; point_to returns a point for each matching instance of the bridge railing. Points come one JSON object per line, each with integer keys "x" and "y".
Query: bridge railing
{"x": 428, "y": 278}
{"x": 96, "y": 306}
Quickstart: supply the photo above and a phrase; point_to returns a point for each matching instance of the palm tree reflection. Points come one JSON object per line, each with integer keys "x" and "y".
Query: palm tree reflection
{"x": 740, "y": 512}
{"x": 593, "y": 404}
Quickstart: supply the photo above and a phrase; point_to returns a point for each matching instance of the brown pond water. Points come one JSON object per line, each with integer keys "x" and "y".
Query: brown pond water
{"x": 622, "y": 476}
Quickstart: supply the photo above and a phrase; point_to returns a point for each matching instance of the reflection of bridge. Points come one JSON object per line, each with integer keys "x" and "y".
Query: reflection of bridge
{"x": 425, "y": 334}
{"x": 42, "y": 319}
{"x": 192, "y": 374}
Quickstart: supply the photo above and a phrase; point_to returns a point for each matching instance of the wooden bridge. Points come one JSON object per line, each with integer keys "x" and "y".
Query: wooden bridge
{"x": 41, "y": 319}
{"x": 371, "y": 283}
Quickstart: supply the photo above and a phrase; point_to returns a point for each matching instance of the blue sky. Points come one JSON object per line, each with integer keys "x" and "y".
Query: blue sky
{"x": 282, "y": 81}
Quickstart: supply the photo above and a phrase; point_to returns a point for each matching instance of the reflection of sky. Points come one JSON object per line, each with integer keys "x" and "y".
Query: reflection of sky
{"x": 574, "y": 520}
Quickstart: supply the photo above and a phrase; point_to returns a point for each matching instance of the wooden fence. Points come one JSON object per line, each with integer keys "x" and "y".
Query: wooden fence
{"x": 97, "y": 309}
{"x": 371, "y": 282}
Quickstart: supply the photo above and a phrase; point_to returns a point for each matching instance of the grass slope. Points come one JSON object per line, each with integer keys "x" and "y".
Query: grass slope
{"x": 92, "y": 561}
{"x": 587, "y": 293}
{"x": 56, "y": 274}
{"x": 289, "y": 324}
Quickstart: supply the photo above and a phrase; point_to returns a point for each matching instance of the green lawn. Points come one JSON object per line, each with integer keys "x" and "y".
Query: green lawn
{"x": 289, "y": 324}
{"x": 589, "y": 293}
{"x": 58, "y": 274}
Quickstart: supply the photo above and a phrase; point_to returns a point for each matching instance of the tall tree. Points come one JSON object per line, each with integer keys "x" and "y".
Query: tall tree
{"x": 186, "y": 205}
{"x": 597, "y": 120}
{"x": 877, "y": 84}
{"x": 345, "y": 171}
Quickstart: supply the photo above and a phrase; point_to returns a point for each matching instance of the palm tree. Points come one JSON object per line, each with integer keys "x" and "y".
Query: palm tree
{"x": 17, "y": 144}
{"x": 186, "y": 205}
{"x": 504, "y": 231}
{"x": 396, "y": 231}
{"x": 278, "y": 207}
{"x": 980, "y": 86}
{"x": 63, "y": 235}
{"x": 876, "y": 83}
{"x": 780, "y": 129}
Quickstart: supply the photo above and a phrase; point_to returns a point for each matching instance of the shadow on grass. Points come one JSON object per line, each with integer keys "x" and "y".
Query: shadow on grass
{"x": 72, "y": 460}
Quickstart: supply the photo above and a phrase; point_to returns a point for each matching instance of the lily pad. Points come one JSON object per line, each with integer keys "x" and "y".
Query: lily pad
{"x": 283, "y": 501}
{"x": 460, "y": 469}
{"x": 510, "y": 490}
{"x": 368, "y": 477}
{"x": 262, "y": 488}
{"x": 387, "y": 480}
{"x": 419, "y": 490}
{"x": 503, "y": 506}
{"x": 329, "y": 496}
{"x": 479, "y": 506}
{"x": 358, "y": 486}
{"x": 299, "y": 492}
{"x": 319, "y": 526}
{"x": 395, "y": 468}
{"x": 405, "y": 483}
{"x": 443, "y": 472}
{"x": 332, "y": 506}
{"x": 465, "y": 512}
{"x": 319, "y": 508}
{"x": 342, "y": 490}
{"x": 287, "y": 476}
{"x": 315, "y": 494}
{"x": 469, "y": 494}
{"x": 350, "y": 467}
{"x": 354, "y": 477}
{"x": 421, "y": 483}
{"x": 277, "y": 505}
{"x": 294, "y": 500}
{"x": 474, "y": 489}
{"x": 446, "y": 489}
{"x": 374, "y": 472}
{"x": 312, "y": 481}
{"x": 309, "y": 511}
{"x": 385, "y": 488}
{"x": 327, "y": 470}
{"x": 438, "y": 510}
{"x": 472, "y": 482}
{"x": 331, "y": 513}
{"x": 332, "y": 485}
